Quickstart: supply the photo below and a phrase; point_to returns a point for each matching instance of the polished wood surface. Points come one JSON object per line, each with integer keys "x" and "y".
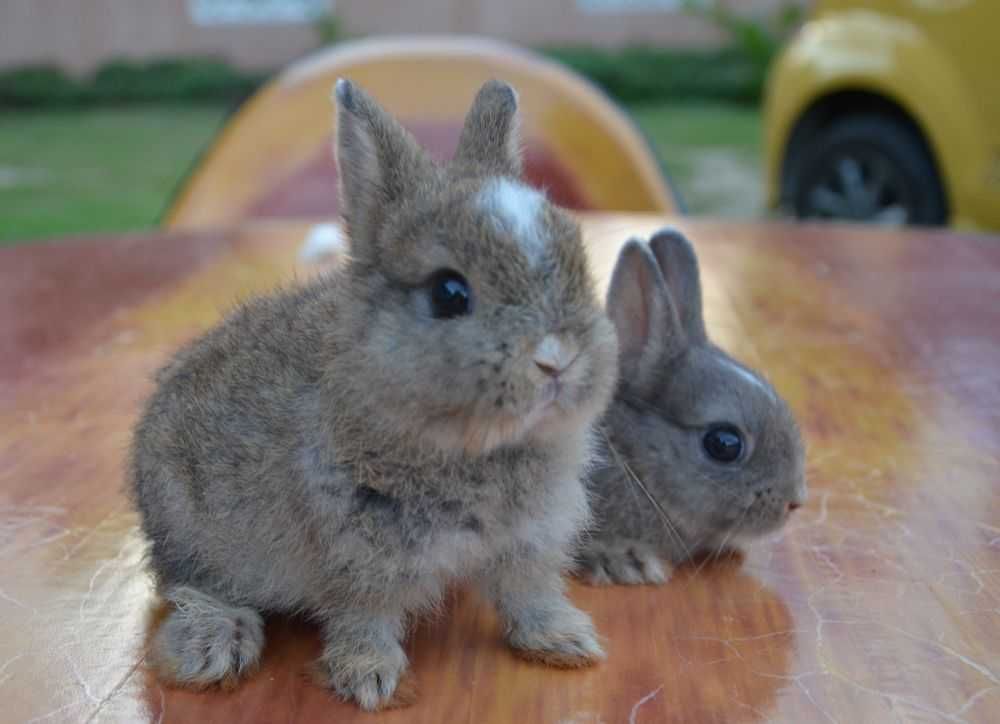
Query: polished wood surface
{"x": 274, "y": 157}
{"x": 880, "y": 602}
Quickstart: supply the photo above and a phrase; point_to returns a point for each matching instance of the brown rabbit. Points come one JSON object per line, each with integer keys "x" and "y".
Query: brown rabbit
{"x": 423, "y": 415}
{"x": 699, "y": 452}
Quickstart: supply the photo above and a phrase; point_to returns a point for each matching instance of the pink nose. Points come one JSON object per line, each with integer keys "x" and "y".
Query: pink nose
{"x": 554, "y": 355}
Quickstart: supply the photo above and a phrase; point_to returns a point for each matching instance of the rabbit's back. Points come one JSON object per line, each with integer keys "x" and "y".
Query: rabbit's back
{"x": 222, "y": 423}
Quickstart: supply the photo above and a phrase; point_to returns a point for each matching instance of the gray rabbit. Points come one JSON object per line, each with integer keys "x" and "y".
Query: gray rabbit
{"x": 348, "y": 448}
{"x": 700, "y": 452}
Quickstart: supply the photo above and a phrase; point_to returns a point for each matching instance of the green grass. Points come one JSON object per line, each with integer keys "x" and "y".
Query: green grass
{"x": 114, "y": 169}
{"x": 711, "y": 152}
{"x": 91, "y": 171}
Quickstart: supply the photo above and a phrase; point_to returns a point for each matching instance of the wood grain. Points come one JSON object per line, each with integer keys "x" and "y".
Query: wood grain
{"x": 880, "y": 602}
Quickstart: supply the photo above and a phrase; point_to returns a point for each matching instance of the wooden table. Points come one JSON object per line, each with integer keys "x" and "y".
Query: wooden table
{"x": 880, "y": 602}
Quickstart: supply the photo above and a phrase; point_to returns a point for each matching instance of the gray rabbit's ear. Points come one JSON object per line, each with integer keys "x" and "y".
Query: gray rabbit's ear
{"x": 679, "y": 266}
{"x": 642, "y": 311}
{"x": 491, "y": 138}
{"x": 378, "y": 160}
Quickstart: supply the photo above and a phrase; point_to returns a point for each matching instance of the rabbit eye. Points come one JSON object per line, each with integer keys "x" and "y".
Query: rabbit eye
{"x": 723, "y": 443}
{"x": 450, "y": 294}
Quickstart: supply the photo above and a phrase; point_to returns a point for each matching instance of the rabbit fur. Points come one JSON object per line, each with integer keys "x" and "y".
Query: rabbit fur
{"x": 659, "y": 498}
{"x": 336, "y": 450}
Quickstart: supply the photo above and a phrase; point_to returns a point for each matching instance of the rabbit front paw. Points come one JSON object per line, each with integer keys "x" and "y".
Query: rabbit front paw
{"x": 564, "y": 638}
{"x": 367, "y": 665}
{"x": 604, "y": 563}
{"x": 371, "y": 679}
{"x": 203, "y": 641}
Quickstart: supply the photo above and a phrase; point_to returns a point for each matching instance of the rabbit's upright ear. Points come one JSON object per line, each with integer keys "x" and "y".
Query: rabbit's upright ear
{"x": 491, "y": 139}
{"x": 679, "y": 266}
{"x": 378, "y": 161}
{"x": 643, "y": 313}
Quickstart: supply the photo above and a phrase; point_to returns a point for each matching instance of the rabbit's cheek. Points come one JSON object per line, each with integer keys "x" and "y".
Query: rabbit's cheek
{"x": 766, "y": 514}
{"x": 589, "y": 382}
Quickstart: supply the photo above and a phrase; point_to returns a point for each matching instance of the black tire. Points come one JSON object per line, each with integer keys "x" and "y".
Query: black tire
{"x": 866, "y": 168}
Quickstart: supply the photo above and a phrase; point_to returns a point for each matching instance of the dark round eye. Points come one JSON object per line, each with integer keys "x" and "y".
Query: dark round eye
{"x": 723, "y": 443}
{"x": 450, "y": 294}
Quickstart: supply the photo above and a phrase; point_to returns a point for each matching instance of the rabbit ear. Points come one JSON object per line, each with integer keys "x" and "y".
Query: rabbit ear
{"x": 491, "y": 136}
{"x": 679, "y": 266}
{"x": 378, "y": 160}
{"x": 642, "y": 311}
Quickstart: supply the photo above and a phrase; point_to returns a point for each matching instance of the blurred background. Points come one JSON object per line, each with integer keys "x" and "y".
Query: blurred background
{"x": 105, "y": 105}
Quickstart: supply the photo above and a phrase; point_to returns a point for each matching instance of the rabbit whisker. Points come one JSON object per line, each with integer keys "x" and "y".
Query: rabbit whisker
{"x": 668, "y": 524}
{"x": 722, "y": 545}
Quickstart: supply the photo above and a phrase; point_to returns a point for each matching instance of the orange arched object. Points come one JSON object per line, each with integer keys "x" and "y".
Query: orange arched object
{"x": 274, "y": 158}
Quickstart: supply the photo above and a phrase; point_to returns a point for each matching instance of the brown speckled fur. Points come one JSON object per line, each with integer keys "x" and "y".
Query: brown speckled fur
{"x": 335, "y": 450}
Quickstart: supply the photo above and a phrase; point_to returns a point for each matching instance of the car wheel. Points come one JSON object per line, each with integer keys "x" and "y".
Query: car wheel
{"x": 866, "y": 168}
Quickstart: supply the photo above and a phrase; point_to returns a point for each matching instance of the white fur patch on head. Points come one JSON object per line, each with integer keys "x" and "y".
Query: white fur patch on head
{"x": 517, "y": 208}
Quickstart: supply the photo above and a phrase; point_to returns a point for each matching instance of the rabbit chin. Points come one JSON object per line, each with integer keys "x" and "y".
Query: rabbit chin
{"x": 479, "y": 433}
{"x": 750, "y": 531}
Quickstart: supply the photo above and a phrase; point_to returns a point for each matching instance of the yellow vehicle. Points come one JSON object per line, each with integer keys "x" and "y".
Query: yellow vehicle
{"x": 889, "y": 111}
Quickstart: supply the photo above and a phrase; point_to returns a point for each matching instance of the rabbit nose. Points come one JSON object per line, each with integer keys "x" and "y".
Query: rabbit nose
{"x": 553, "y": 356}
